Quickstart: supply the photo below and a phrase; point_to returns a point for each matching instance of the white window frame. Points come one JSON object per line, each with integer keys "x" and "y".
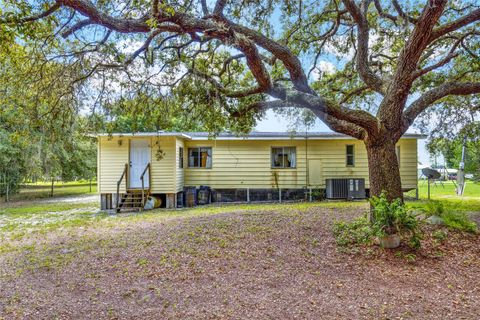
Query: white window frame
{"x": 199, "y": 150}
{"x": 293, "y": 161}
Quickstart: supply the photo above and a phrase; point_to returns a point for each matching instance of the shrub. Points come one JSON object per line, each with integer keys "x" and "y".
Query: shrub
{"x": 394, "y": 218}
{"x": 451, "y": 218}
{"x": 357, "y": 232}
{"x": 459, "y": 221}
{"x": 387, "y": 218}
{"x": 434, "y": 208}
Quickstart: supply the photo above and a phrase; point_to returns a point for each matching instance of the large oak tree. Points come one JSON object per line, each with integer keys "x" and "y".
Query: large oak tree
{"x": 389, "y": 61}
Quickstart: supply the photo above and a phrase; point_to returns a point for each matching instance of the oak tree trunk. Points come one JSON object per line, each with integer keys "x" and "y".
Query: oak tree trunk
{"x": 383, "y": 170}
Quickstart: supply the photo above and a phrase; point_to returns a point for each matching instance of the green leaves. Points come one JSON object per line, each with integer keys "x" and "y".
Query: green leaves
{"x": 393, "y": 217}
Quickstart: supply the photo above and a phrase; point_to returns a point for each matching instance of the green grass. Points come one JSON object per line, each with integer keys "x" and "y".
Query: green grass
{"x": 30, "y": 218}
{"x": 61, "y": 183}
{"x": 471, "y": 205}
{"x": 41, "y": 208}
{"x": 446, "y": 190}
{"x": 42, "y": 190}
{"x": 459, "y": 221}
{"x": 19, "y": 219}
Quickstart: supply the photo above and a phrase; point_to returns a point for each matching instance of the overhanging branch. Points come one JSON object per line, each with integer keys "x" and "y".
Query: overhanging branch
{"x": 333, "y": 123}
{"x": 362, "y": 62}
{"x": 455, "y": 25}
{"x": 123, "y": 25}
{"x": 430, "y": 97}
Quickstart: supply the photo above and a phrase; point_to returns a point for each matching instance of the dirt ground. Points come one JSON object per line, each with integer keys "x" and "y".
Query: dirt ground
{"x": 82, "y": 198}
{"x": 238, "y": 265}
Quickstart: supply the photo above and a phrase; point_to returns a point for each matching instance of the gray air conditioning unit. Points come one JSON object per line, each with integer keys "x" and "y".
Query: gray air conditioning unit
{"x": 349, "y": 188}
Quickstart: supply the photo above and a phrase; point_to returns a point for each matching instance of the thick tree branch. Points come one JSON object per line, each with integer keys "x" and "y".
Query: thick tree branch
{"x": 418, "y": 40}
{"x": 362, "y": 63}
{"x": 219, "y": 6}
{"x": 254, "y": 62}
{"x": 124, "y": 25}
{"x": 390, "y": 110}
{"x": 333, "y": 123}
{"x": 282, "y": 53}
{"x": 155, "y": 11}
{"x": 184, "y": 23}
{"x": 430, "y": 97}
{"x": 451, "y": 54}
{"x": 455, "y": 25}
{"x": 325, "y": 107}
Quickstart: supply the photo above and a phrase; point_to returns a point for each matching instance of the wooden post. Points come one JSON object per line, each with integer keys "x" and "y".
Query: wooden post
{"x": 90, "y": 184}
{"x": 51, "y": 190}
{"x": 248, "y": 194}
{"x": 310, "y": 194}
{"x": 279, "y": 195}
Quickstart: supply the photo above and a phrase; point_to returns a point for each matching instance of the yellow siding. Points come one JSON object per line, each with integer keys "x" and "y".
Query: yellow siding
{"x": 333, "y": 156}
{"x": 113, "y": 155}
{"x": 246, "y": 163}
{"x": 163, "y": 171}
{"x": 180, "y": 171}
{"x": 408, "y": 162}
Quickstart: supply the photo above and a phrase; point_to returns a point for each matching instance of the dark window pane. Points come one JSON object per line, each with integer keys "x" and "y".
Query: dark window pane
{"x": 283, "y": 157}
{"x": 350, "y": 150}
{"x": 180, "y": 157}
{"x": 350, "y": 161}
{"x": 200, "y": 157}
{"x": 350, "y": 154}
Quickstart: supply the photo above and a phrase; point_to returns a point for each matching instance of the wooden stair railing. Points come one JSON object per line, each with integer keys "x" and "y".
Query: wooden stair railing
{"x": 142, "y": 177}
{"x": 119, "y": 182}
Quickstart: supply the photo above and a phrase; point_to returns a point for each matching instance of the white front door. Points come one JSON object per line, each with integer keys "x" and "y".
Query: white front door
{"x": 139, "y": 158}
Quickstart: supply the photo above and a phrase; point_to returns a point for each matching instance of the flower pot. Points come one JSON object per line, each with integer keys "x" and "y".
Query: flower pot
{"x": 390, "y": 241}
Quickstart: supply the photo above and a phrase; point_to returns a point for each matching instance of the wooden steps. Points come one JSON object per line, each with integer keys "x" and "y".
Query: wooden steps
{"x": 132, "y": 200}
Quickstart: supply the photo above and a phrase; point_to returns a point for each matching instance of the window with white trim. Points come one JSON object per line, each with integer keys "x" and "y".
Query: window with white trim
{"x": 284, "y": 157}
{"x": 200, "y": 157}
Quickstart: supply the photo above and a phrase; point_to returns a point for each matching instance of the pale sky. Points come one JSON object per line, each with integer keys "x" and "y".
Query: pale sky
{"x": 275, "y": 122}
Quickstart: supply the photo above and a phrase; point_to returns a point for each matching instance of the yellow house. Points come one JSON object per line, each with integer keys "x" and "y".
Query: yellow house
{"x": 260, "y": 166}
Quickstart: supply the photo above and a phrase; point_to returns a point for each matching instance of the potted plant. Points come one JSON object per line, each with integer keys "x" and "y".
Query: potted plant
{"x": 392, "y": 222}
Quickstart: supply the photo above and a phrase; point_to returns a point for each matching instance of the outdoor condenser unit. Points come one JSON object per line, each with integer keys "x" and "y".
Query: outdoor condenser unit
{"x": 348, "y": 188}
